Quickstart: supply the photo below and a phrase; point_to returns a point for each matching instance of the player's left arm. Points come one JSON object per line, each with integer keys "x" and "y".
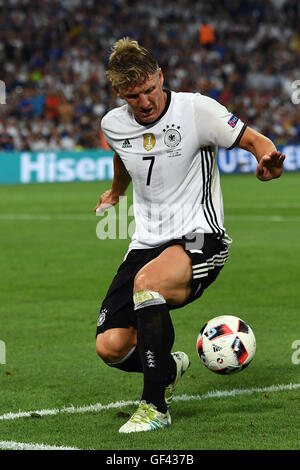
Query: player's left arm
{"x": 270, "y": 160}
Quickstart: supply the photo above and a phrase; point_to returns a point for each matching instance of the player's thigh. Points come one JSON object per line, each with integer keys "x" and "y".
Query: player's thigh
{"x": 170, "y": 274}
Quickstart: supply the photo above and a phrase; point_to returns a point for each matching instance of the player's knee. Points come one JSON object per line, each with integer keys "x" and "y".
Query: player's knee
{"x": 111, "y": 346}
{"x": 159, "y": 285}
{"x": 100, "y": 349}
{"x": 143, "y": 281}
{"x": 106, "y": 347}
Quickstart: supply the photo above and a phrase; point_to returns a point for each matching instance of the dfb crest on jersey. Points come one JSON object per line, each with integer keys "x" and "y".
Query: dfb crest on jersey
{"x": 102, "y": 317}
{"x": 149, "y": 141}
{"x": 172, "y": 136}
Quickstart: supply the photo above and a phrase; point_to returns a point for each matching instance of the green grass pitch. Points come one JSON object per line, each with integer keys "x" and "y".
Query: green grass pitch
{"x": 54, "y": 273}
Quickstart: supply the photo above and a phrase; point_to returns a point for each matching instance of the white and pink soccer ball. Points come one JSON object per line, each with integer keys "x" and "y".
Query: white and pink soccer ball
{"x": 226, "y": 344}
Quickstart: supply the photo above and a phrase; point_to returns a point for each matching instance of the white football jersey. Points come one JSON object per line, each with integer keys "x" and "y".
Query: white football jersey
{"x": 173, "y": 166}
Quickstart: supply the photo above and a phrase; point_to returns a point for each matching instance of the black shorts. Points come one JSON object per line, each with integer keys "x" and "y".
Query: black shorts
{"x": 117, "y": 309}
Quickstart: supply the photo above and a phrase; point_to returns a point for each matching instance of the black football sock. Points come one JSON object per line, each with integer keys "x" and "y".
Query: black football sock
{"x": 155, "y": 333}
{"x": 130, "y": 363}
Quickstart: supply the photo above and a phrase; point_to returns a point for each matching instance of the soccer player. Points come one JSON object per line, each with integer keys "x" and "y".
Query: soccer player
{"x": 166, "y": 143}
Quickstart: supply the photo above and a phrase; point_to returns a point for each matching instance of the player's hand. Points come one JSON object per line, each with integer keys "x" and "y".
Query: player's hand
{"x": 107, "y": 200}
{"x": 270, "y": 166}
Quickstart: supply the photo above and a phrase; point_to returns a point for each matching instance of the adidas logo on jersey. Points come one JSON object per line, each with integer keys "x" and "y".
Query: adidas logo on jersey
{"x": 126, "y": 144}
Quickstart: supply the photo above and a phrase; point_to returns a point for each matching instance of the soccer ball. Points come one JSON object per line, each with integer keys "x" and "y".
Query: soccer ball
{"x": 226, "y": 344}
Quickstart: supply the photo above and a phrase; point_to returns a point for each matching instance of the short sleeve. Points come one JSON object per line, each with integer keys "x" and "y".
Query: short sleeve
{"x": 216, "y": 125}
{"x": 106, "y": 132}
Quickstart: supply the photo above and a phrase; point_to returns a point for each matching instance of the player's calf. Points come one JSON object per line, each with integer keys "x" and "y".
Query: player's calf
{"x": 155, "y": 339}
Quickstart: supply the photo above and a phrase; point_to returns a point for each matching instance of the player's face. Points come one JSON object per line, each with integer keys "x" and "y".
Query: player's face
{"x": 146, "y": 99}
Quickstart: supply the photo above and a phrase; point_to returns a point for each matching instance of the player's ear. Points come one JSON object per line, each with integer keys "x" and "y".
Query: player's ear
{"x": 161, "y": 76}
{"x": 117, "y": 91}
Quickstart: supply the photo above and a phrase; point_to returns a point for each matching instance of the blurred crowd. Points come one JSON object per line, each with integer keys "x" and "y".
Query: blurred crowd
{"x": 244, "y": 53}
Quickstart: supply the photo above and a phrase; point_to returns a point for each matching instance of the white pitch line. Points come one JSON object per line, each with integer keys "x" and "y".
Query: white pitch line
{"x": 120, "y": 404}
{"x": 11, "y": 445}
{"x": 91, "y": 217}
{"x": 71, "y": 409}
{"x": 263, "y": 205}
{"x": 237, "y": 392}
{"x": 22, "y": 216}
{"x": 262, "y": 218}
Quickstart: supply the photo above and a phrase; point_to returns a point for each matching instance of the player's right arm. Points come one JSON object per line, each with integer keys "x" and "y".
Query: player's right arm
{"x": 120, "y": 183}
{"x": 270, "y": 160}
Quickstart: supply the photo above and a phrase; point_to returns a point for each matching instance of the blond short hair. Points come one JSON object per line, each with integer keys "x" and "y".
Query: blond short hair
{"x": 129, "y": 63}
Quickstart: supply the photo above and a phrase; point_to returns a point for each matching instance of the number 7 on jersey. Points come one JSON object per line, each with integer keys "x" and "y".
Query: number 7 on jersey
{"x": 152, "y": 158}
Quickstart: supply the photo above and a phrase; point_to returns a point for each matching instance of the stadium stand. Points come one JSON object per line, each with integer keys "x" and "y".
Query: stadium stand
{"x": 245, "y": 54}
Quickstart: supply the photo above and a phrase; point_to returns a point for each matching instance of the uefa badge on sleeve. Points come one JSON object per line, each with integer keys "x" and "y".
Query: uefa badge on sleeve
{"x": 233, "y": 121}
